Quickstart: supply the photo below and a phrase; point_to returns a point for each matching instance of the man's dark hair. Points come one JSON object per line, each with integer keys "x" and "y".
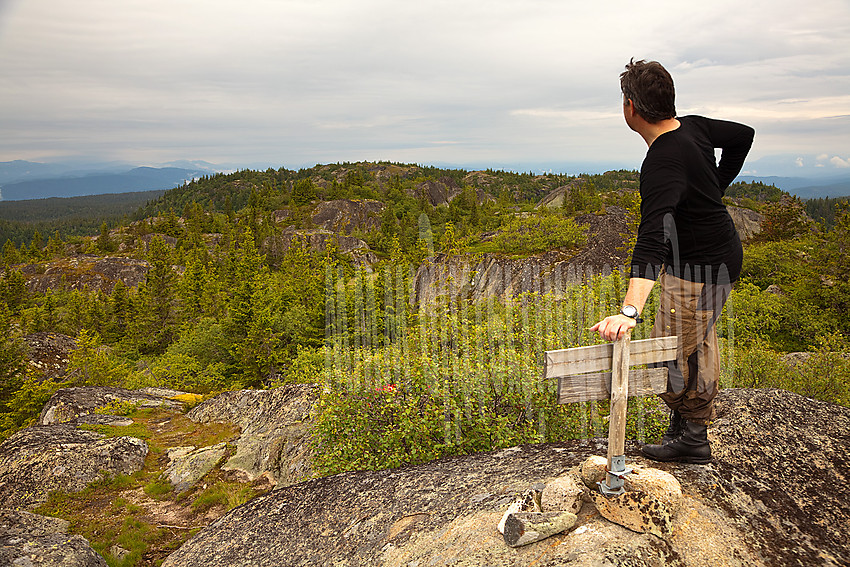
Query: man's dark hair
{"x": 650, "y": 88}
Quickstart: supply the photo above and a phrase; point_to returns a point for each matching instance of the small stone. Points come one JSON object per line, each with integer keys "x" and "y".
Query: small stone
{"x": 594, "y": 470}
{"x": 118, "y": 552}
{"x": 523, "y": 528}
{"x": 635, "y": 510}
{"x": 564, "y": 494}
{"x": 528, "y": 501}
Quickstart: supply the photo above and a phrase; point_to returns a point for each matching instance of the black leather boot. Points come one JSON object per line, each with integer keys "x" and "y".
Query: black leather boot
{"x": 691, "y": 447}
{"x": 674, "y": 430}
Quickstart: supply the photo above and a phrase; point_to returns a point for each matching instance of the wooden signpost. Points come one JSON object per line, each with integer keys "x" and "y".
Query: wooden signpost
{"x": 597, "y": 372}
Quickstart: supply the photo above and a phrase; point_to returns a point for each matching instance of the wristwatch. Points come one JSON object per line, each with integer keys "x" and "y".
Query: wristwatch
{"x": 631, "y": 311}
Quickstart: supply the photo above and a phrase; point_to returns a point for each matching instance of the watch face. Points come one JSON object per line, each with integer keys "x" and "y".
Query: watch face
{"x": 630, "y": 311}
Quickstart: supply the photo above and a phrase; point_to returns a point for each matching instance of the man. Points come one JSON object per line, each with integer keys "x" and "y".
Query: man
{"x": 687, "y": 241}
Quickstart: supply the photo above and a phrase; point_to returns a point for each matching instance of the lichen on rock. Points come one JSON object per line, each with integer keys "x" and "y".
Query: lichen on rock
{"x": 39, "y": 459}
{"x": 32, "y": 540}
{"x": 69, "y": 404}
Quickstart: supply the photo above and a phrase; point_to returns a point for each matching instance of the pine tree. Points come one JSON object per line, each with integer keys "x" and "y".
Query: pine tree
{"x": 155, "y": 299}
{"x": 36, "y": 245}
{"x": 12, "y": 359}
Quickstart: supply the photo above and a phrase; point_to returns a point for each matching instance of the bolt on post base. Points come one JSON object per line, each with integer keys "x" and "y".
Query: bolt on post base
{"x": 613, "y": 486}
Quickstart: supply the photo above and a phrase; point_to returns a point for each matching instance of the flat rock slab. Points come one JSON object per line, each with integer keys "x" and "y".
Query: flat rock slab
{"x": 31, "y": 540}
{"x": 68, "y": 404}
{"x": 446, "y": 512}
{"x": 42, "y": 458}
{"x": 188, "y": 467}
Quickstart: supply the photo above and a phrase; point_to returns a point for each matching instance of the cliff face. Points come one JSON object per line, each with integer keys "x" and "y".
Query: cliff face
{"x": 85, "y": 271}
{"x": 494, "y": 275}
{"x": 772, "y": 497}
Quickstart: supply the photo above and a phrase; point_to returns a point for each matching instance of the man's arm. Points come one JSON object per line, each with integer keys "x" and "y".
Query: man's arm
{"x": 615, "y": 326}
{"x": 735, "y": 141}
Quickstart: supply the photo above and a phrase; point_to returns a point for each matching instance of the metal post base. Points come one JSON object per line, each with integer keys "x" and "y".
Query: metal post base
{"x": 615, "y": 478}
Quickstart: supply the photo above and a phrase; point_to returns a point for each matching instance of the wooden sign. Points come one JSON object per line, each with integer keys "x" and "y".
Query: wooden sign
{"x": 601, "y": 372}
{"x": 584, "y": 373}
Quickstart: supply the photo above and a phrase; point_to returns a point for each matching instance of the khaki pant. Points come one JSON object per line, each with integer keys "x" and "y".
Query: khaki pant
{"x": 690, "y": 310}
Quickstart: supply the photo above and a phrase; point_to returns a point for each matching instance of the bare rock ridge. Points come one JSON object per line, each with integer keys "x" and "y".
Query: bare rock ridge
{"x": 49, "y": 353}
{"x": 85, "y": 271}
{"x": 773, "y": 496}
{"x": 497, "y": 276}
{"x": 69, "y": 404}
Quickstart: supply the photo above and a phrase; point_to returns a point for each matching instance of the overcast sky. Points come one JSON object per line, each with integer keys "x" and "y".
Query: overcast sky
{"x": 477, "y": 83}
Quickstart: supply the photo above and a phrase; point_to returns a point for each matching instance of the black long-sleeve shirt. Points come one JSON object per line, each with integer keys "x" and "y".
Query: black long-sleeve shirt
{"x": 684, "y": 224}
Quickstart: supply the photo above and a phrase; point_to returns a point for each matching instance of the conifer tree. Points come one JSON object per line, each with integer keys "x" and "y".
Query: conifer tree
{"x": 155, "y": 311}
{"x": 13, "y": 290}
{"x": 36, "y": 245}
{"x": 12, "y": 358}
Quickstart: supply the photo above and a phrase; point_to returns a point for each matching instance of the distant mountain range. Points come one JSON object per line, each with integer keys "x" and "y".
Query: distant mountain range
{"x": 807, "y": 187}
{"x": 22, "y": 180}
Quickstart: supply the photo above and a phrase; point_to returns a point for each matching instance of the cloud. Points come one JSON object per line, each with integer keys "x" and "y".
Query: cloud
{"x": 302, "y": 80}
{"x": 839, "y": 162}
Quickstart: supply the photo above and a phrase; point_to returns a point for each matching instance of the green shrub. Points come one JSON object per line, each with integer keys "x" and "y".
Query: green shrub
{"x": 26, "y": 404}
{"x": 90, "y": 364}
{"x": 225, "y": 494}
{"x": 184, "y": 372}
{"x": 464, "y": 378}
{"x": 539, "y": 232}
{"x": 307, "y": 366}
{"x": 158, "y": 489}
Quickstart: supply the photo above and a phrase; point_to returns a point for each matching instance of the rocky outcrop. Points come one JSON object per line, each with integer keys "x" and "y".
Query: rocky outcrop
{"x": 40, "y": 459}
{"x": 436, "y": 192}
{"x": 494, "y": 275}
{"x": 48, "y": 353}
{"x": 772, "y": 497}
{"x": 795, "y": 359}
{"x": 444, "y": 190}
{"x": 85, "y": 271}
{"x": 146, "y": 239}
{"x": 317, "y": 240}
{"x": 555, "y": 198}
{"x": 344, "y": 215}
{"x": 606, "y": 240}
{"x": 275, "y": 437}
{"x": 31, "y": 540}
{"x": 748, "y": 222}
{"x": 68, "y": 404}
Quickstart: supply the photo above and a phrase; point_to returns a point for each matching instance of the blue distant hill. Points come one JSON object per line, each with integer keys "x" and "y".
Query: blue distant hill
{"x": 137, "y": 179}
{"x": 806, "y": 187}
